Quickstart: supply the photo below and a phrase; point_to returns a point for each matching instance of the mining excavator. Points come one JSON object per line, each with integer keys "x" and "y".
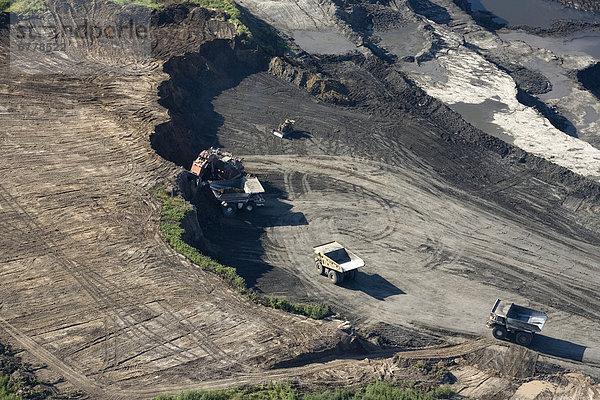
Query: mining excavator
{"x": 232, "y": 187}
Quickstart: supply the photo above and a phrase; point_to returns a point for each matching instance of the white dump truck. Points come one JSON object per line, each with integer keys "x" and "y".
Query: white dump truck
{"x": 233, "y": 188}
{"x": 241, "y": 193}
{"x": 507, "y": 318}
{"x": 336, "y": 261}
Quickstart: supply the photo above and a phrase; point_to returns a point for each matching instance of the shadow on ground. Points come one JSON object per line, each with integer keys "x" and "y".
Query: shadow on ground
{"x": 240, "y": 240}
{"x": 558, "y": 347}
{"x": 296, "y": 135}
{"x": 374, "y": 285}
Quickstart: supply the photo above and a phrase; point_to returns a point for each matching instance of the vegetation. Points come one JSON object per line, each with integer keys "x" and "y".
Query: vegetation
{"x": 174, "y": 209}
{"x": 153, "y": 4}
{"x": 31, "y": 6}
{"x": 23, "y": 6}
{"x": 6, "y": 390}
{"x": 248, "y": 27}
{"x": 236, "y": 16}
{"x": 279, "y": 391}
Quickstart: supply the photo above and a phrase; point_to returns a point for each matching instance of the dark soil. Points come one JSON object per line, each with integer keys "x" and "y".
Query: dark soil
{"x": 385, "y": 334}
{"x": 590, "y": 79}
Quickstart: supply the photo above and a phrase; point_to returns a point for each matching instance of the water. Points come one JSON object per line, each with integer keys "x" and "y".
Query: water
{"x": 578, "y": 44}
{"x": 534, "y": 13}
{"x": 480, "y": 115}
{"x": 323, "y": 42}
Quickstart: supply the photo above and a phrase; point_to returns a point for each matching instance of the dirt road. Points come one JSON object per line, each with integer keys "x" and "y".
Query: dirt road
{"x": 446, "y": 219}
{"x": 437, "y": 253}
{"x": 88, "y": 285}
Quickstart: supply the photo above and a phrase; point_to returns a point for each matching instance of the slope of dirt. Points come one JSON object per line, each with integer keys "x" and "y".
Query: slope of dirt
{"x": 588, "y": 5}
{"x": 88, "y": 286}
{"x": 446, "y": 217}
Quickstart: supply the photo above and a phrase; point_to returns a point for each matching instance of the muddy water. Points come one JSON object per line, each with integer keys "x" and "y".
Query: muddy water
{"x": 480, "y": 115}
{"x": 405, "y": 41}
{"x": 583, "y": 46}
{"x": 323, "y": 42}
{"x": 578, "y": 44}
{"x": 535, "y": 13}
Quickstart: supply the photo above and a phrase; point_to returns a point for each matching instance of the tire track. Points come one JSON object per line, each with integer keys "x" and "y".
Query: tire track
{"x": 326, "y": 365}
{"x": 90, "y": 283}
{"x": 79, "y": 380}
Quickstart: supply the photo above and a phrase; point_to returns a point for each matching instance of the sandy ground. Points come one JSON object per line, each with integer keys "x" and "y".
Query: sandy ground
{"x": 445, "y": 225}
{"x": 88, "y": 286}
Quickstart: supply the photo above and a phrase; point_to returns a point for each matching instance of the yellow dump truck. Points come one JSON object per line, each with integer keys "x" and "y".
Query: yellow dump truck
{"x": 336, "y": 261}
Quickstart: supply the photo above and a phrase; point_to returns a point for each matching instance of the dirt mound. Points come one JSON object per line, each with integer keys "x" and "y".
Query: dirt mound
{"x": 315, "y": 83}
{"x": 511, "y": 361}
{"x": 590, "y": 79}
{"x": 588, "y": 5}
{"x": 568, "y": 386}
{"x": 182, "y": 28}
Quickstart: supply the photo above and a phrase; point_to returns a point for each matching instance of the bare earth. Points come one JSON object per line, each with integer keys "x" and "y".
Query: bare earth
{"x": 445, "y": 226}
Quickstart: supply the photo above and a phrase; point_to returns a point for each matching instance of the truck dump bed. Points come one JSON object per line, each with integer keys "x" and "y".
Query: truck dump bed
{"x": 235, "y": 190}
{"x": 339, "y": 255}
{"x": 520, "y": 317}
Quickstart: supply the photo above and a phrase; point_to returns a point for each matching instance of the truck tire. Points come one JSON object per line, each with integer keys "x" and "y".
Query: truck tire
{"x": 499, "y": 332}
{"x": 524, "y": 338}
{"x": 250, "y": 206}
{"x": 229, "y": 210}
{"x": 351, "y": 275}
{"x": 319, "y": 266}
{"x": 335, "y": 277}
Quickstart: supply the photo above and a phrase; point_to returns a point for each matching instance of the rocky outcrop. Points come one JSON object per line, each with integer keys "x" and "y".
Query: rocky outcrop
{"x": 323, "y": 88}
{"x": 587, "y": 5}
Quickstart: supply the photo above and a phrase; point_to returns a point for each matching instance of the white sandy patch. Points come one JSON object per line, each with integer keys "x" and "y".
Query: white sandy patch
{"x": 471, "y": 79}
{"x": 530, "y": 390}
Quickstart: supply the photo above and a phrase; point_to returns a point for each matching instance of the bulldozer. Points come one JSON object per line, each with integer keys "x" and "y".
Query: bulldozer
{"x": 285, "y": 127}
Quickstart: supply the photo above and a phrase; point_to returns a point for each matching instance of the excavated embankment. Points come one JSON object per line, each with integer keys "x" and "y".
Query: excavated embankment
{"x": 431, "y": 202}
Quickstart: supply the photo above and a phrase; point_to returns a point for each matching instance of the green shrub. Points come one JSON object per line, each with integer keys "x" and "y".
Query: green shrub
{"x": 25, "y": 6}
{"x": 422, "y": 366}
{"x": 236, "y": 16}
{"x": 153, "y": 4}
{"x": 284, "y": 391}
{"x": 7, "y": 392}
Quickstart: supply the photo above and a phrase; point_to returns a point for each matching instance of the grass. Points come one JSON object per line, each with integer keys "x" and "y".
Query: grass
{"x": 281, "y": 391}
{"x": 236, "y": 16}
{"x": 153, "y": 4}
{"x": 6, "y": 392}
{"x": 248, "y": 26}
{"x": 174, "y": 209}
{"x": 23, "y": 7}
